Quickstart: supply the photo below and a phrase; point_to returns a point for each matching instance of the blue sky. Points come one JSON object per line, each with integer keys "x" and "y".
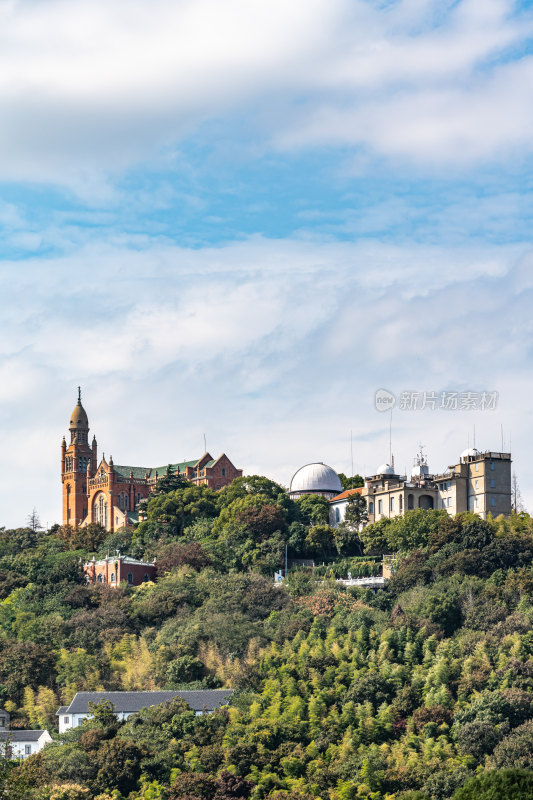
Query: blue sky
{"x": 241, "y": 218}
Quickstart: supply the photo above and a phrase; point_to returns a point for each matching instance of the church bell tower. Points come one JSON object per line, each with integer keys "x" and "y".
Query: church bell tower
{"x": 77, "y": 466}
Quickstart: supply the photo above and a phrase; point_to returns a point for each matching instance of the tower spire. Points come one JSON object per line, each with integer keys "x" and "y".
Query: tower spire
{"x": 79, "y": 395}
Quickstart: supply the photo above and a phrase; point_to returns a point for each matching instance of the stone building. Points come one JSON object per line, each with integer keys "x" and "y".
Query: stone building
{"x": 101, "y": 491}
{"x": 480, "y": 482}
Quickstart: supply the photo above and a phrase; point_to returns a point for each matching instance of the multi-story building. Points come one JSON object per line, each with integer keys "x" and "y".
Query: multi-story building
{"x": 480, "y": 482}
{"x": 108, "y": 493}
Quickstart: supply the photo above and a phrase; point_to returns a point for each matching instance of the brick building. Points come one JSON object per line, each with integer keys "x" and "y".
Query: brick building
{"x": 102, "y": 491}
{"x": 117, "y": 569}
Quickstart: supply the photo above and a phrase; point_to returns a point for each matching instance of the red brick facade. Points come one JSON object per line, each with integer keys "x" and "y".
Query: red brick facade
{"x": 110, "y": 494}
{"x": 114, "y": 570}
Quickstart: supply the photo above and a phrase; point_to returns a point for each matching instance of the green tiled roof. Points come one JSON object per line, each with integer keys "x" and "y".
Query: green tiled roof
{"x": 182, "y": 465}
{"x": 140, "y": 472}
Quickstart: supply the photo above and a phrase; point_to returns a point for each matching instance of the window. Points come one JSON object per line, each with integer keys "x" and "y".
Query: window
{"x": 100, "y": 510}
{"x": 99, "y": 578}
{"x": 66, "y": 720}
{"x": 492, "y": 464}
{"x": 337, "y": 515}
{"x": 449, "y": 502}
{"x": 146, "y": 577}
{"x": 392, "y": 504}
{"x": 493, "y": 501}
{"x": 492, "y": 483}
{"x": 477, "y": 484}
{"x": 371, "y": 507}
{"x": 223, "y": 472}
{"x": 27, "y": 749}
{"x": 477, "y": 466}
{"x": 380, "y": 506}
{"x": 112, "y": 577}
{"x": 444, "y": 502}
{"x": 401, "y": 502}
{"x": 130, "y": 578}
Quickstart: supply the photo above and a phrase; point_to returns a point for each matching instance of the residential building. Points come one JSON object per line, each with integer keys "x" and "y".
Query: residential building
{"x": 338, "y": 505}
{"x": 98, "y": 490}
{"x": 117, "y": 569}
{"x": 22, "y": 744}
{"x": 201, "y": 701}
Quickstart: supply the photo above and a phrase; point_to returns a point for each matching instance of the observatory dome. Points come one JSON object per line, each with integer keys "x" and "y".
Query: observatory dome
{"x": 315, "y": 479}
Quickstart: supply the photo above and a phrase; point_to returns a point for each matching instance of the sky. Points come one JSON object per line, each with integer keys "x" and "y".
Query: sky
{"x": 242, "y": 218}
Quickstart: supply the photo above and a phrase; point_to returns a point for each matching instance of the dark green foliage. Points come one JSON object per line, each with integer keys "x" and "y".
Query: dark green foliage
{"x": 351, "y": 483}
{"x": 313, "y": 509}
{"x": 508, "y": 784}
{"x": 344, "y": 694}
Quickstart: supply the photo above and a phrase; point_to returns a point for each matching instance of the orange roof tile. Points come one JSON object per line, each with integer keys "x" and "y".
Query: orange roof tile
{"x": 347, "y": 493}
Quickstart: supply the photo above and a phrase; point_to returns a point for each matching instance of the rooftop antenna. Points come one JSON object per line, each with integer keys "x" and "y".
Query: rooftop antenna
{"x": 503, "y": 448}
{"x": 390, "y": 438}
{"x": 474, "y": 437}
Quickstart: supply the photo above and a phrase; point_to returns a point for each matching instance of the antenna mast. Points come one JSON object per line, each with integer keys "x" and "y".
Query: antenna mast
{"x": 390, "y": 438}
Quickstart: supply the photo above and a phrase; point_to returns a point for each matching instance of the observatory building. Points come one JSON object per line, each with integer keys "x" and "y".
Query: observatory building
{"x": 315, "y": 478}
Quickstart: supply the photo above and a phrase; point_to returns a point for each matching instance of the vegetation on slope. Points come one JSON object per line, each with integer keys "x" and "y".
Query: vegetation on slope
{"x": 419, "y": 691}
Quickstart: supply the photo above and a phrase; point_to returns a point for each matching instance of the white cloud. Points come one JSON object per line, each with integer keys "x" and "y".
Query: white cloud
{"x": 89, "y": 88}
{"x": 273, "y": 348}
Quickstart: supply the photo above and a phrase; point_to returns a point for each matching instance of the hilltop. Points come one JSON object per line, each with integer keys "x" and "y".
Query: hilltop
{"x": 339, "y": 692}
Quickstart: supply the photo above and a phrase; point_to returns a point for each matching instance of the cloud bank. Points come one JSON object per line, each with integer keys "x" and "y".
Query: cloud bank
{"x": 96, "y": 87}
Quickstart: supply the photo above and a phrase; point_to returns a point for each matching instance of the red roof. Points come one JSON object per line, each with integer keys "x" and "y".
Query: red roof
{"x": 346, "y": 494}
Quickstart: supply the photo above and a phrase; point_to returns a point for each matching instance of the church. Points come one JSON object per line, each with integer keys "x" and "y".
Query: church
{"x": 104, "y": 492}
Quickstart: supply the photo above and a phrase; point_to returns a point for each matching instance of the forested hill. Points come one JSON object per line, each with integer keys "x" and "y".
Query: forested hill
{"x": 422, "y": 690}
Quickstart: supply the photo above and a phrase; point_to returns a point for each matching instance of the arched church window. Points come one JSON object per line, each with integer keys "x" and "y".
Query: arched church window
{"x": 99, "y": 578}
{"x": 130, "y": 578}
{"x": 100, "y": 510}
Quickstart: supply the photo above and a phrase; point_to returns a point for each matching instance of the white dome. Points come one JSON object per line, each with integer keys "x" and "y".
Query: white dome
{"x": 471, "y": 451}
{"x": 315, "y": 478}
{"x": 385, "y": 469}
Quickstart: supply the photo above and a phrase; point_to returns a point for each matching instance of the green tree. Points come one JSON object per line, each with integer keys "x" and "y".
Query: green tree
{"x": 313, "y": 509}
{"x": 507, "y": 784}
{"x": 351, "y": 483}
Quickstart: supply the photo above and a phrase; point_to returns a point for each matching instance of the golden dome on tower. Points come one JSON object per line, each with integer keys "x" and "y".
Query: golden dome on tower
{"x": 79, "y": 418}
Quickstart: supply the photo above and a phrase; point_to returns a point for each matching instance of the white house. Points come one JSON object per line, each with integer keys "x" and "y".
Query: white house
{"x": 21, "y": 744}
{"x": 201, "y": 701}
{"x": 338, "y": 504}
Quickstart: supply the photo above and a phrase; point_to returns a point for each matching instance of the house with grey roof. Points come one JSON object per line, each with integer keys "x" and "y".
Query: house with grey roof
{"x": 22, "y": 744}
{"x": 201, "y": 701}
